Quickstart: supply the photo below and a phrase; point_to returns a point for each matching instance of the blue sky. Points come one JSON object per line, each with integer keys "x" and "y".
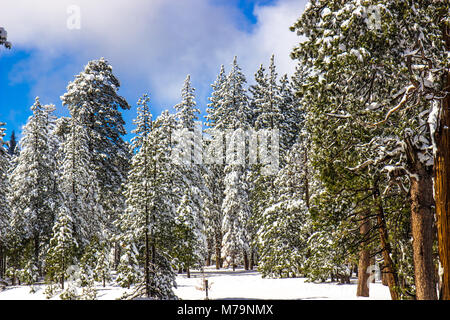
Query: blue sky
{"x": 152, "y": 46}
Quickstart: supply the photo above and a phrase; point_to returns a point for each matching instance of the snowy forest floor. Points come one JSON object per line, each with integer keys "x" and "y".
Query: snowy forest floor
{"x": 228, "y": 285}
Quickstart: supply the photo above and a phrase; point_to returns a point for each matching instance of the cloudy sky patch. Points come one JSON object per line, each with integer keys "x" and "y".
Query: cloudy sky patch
{"x": 152, "y": 46}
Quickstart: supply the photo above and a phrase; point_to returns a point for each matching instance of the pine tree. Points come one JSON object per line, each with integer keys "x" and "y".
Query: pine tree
{"x": 284, "y": 226}
{"x": 12, "y": 145}
{"x": 79, "y": 185}
{"x": 347, "y": 49}
{"x": 257, "y": 92}
{"x": 149, "y": 216}
{"x": 229, "y": 107}
{"x": 33, "y": 195}
{"x": 292, "y": 114}
{"x": 212, "y": 210}
{"x": 234, "y": 118}
{"x": 214, "y": 175}
{"x": 268, "y": 101}
{"x": 189, "y": 247}
{"x": 215, "y": 110}
{"x": 93, "y": 101}
{"x": 63, "y": 245}
{"x": 102, "y": 268}
{"x": 187, "y": 112}
{"x": 190, "y": 222}
{"x": 236, "y": 211}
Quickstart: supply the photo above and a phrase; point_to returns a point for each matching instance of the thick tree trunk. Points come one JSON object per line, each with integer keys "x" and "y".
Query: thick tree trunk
{"x": 252, "y": 259}
{"x": 36, "y": 254}
{"x": 233, "y": 260}
{"x": 364, "y": 261}
{"x": 218, "y": 243}
{"x": 389, "y": 268}
{"x": 246, "y": 264}
{"x": 384, "y": 280}
{"x": 422, "y": 217}
{"x": 307, "y": 195}
{"x": 117, "y": 254}
{"x": 442, "y": 182}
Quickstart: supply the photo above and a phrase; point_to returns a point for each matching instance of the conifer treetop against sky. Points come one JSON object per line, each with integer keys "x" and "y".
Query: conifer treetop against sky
{"x": 152, "y": 46}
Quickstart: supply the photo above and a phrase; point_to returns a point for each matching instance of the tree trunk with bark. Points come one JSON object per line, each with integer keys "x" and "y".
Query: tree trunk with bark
{"x": 252, "y": 259}
{"x": 364, "y": 260}
{"x": 389, "y": 268}
{"x": 422, "y": 219}
{"x": 218, "y": 243}
{"x": 246, "y": 262}
{"x": 442, "y": 181}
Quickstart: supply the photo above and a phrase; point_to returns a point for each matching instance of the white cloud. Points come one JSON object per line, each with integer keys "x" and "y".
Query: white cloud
{"x": 152, "y": 45}
{"x": 271, "y": 36}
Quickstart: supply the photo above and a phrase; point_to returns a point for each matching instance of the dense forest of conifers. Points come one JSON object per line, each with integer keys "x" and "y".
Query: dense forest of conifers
{"x": 363, "y": 179}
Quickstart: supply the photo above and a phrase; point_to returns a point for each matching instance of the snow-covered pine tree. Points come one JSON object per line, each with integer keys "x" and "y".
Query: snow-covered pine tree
{"x": 148, "y": 220}
{"x": 283, "y": 227}
{"x": 33, "y": 197}
{"x": 356, "y": 45}
{"x": 292, "y": 115}
{"x": 187, "y": 111}
{"x": 257, "y": 92}
{"x": 102, "y": 268}
{"x": 129, "y": 268}
{"x": 190, "y": 222}
{"x": 235, "y": 117}
{"x": 189, "y": 245}
{"x": 267, "y": 103}
{"x": 214, "y": 175}
{"x": 79, "y": 185}
{"x": 63, "y": 246}
{"x": 233, "y": 110}
{"x": 236, "y": 212}
{"x": 93, "y": 101}
{"x": 212, "y": 209}
{"x": 215, "y": 110}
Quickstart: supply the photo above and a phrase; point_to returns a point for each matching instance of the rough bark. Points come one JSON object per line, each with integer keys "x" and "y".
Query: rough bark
{"x": 373, "y": 263}
{"x": 389, "y": 268}
{"x": 246, "y": 262}
{"x": 252, "y": 260}
{"x": 383, "y": 277}
{"x": 422, "y": 217}
{"x": 364, "y": 261}
{"x": 442, "y": 182}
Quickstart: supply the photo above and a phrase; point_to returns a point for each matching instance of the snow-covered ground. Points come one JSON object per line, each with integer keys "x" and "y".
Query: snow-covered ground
{"x": 226, "y": 284}
{"x": 241, "y": 284}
